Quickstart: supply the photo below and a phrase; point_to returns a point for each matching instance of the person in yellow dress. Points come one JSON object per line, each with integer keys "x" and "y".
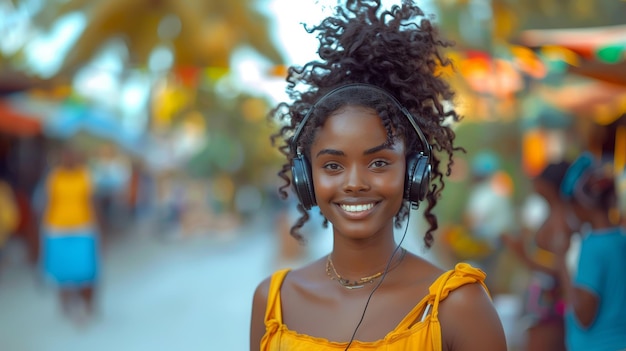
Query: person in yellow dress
{"x": 359, "y": 139}
{"x": 70, "y": 233}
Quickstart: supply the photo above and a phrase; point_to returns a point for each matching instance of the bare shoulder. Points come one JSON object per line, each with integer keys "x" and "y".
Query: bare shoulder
{"x": 295, "y": 277}
{"x": 469, "y": 321}
{"x": 262, "y": 290}
{"x": 421, "y": 270}
{"x": 305, "y": 275}
{"x": 257, "y": 320}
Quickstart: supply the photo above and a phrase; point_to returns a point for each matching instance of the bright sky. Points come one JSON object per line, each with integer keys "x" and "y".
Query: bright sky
{"x": 287, "y": 15}
{"x": 298, "y": 46}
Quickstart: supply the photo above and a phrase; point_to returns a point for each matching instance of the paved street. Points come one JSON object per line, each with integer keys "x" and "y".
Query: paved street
{"x": 157, "y": 293}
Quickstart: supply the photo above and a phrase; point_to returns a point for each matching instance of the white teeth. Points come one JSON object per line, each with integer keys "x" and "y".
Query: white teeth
{"x": 357, "y": 208}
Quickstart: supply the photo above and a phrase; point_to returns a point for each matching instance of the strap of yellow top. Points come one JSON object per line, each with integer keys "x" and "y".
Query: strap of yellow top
{"x": 462, "y": 274}
{"x": 273, "y": 309}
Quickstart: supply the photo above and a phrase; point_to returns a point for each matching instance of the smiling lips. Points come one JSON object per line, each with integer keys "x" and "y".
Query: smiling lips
{"x": 357, "y": 208}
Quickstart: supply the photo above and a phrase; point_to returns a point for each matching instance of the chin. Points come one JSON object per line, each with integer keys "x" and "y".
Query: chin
{"x": 363, "y": 230}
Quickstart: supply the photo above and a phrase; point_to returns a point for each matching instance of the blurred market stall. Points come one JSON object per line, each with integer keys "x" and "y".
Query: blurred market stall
{"x": 159, "y": 78}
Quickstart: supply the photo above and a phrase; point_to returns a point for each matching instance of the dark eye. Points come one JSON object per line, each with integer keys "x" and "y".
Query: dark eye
{"x": 332, "y": 167}
{"x": 379, "y": 164}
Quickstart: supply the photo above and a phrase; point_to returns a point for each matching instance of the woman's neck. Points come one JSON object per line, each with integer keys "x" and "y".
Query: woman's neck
{"x": 354, "y": 261}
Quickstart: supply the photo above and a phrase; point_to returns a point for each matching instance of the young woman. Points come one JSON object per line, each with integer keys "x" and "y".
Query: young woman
{"x": 358, "y": 144}
{"x": 594, "y": 292}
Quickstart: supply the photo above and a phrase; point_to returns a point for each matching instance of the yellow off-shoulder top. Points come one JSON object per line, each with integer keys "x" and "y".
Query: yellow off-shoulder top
{"x": 423, "y": 335}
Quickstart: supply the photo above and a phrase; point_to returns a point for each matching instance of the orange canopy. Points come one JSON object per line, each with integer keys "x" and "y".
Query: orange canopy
{"x": 585, "y": 42}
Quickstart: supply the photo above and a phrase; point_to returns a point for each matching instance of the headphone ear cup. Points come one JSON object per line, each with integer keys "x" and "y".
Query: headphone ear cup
{"x": 302, "y": 182}
{"x": 417, "y": 178}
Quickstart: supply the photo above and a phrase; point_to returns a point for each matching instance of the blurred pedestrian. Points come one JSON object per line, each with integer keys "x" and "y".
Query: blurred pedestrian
{"x": 358, "y": 143}
{"x": 543, "y": 303}
{"x": 489, "y": 213}
{"x": 70, "y": 234}
{"x": 595, "y": 289}
{"x": 489, "y": 209}
{"x": 138, "y": 190}
{"x": 110, "y": 172}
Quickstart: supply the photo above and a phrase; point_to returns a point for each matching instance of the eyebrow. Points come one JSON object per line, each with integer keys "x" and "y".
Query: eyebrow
{"x": 330, "y": 152}
{"x": 373, "y": 150}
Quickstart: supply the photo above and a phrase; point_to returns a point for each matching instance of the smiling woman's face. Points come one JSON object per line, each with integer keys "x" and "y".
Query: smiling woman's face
{"x": 358, "y": 179}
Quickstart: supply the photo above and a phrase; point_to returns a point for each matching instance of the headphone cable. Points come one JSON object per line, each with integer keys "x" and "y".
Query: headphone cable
{"x": 379, "y": 282}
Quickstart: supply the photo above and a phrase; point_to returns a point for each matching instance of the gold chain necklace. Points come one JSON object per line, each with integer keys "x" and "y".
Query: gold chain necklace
{"x": 359, "y": 283}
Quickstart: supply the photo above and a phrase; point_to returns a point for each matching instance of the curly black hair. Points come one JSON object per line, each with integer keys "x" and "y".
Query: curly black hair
{"x": 398, "y": 50}
{"x": 554, "y": 173}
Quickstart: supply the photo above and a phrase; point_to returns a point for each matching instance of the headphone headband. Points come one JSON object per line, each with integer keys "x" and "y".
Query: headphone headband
{"x": 426, "y": 148}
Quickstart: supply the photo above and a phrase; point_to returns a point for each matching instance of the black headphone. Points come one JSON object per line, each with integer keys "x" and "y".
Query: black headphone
{"x": 418, "y": 166}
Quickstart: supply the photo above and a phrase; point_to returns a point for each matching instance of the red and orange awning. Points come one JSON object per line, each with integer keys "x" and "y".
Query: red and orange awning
{"x": 17, "y": 123}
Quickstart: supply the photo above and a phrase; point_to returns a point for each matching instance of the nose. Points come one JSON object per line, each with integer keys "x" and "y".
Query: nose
{"x": 356, "y": 180}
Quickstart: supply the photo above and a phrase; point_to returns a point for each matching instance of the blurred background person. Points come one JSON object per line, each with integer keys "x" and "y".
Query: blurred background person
{"x": 111, "y": 174}
{"x": 489, "y": 211}
{"x": 21, "y": 164}
{"x": 595, "y": 288}
{"x": 70, "y": 234}
{"x": 543, "y": 305}
{"x": 138, "y": 191}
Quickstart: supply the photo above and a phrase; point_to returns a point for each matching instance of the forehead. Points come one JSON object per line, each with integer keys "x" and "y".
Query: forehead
{"x": 349, "y": 114}
{"x": 350, "y": 126}
{"x": 354, "y": 119}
